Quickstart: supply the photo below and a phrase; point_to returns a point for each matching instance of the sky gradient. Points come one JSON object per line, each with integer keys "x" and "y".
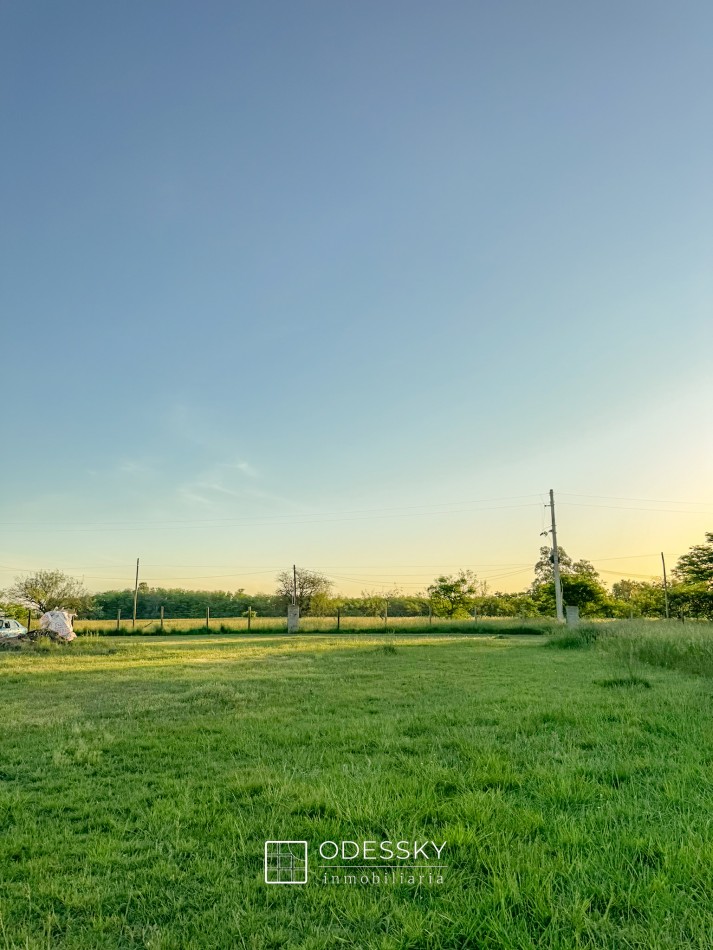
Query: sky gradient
{"x": 353, "y": 285}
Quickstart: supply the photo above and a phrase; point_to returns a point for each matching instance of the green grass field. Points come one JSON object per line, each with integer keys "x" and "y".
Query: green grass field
{"x": 140, "y": 779}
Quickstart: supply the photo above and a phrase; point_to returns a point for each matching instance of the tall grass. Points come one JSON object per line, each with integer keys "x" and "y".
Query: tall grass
{"x": 687, "y": 647}
{"x": 672, "y": 645}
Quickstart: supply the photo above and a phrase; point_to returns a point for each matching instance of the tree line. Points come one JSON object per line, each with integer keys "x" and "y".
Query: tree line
{"x": 454, "y": 596}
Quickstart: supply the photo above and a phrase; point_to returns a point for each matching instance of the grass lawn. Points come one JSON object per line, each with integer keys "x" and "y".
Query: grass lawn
{"x": 139, "y": 781}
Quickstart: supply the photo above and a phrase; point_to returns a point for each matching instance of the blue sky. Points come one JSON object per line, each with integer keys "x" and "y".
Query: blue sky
{"x": 289, "y": 281}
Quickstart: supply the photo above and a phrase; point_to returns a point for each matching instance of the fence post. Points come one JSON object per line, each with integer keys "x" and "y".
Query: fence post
{"x": 250, "y": 614}
{"x": 207, "y": 618}
{"x": 118, "y": 619}
{"x": 339, "y": 617}
{"x": 161, "y": 618}
{"x": 386, "y": 612}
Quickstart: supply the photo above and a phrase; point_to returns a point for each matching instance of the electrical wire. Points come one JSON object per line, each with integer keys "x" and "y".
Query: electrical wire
{"x": 280, "y": 519}
{"x": 663, "y": 501}
{"x": 672, "y": 511}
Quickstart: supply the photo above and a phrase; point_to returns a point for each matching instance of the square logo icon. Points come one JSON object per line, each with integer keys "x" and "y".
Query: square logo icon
{"x": 285, "y": 862}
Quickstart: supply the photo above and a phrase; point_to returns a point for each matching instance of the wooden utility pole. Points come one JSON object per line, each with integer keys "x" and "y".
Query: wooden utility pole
{"x": 136, "y": 594}
{"x": 556, "y": 561}
{"x": 293, "y": 610}
{"x": 665, "y": 585}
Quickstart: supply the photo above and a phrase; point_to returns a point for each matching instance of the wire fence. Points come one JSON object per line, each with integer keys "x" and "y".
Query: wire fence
{"x": 336, "y": 624}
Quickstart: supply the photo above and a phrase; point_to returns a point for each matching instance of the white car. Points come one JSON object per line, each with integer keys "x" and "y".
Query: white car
{"x": 10, "y": 628}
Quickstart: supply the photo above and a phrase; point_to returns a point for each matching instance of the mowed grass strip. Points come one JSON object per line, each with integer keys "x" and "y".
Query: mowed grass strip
{"x": 139, "y": 782}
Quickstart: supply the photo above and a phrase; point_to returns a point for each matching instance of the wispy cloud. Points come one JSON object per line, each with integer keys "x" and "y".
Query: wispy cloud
{"x": 247, "y": 469}
{"x": 129, "y": 466}
{"x": 187, "y": 494}
{"x": 220, "y": 489}
{"x": 225, "y": 478}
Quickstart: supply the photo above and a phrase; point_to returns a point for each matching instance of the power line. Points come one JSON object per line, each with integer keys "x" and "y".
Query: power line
{"x": 255, "y": 524}
{"x": 628, "y": 574}
{"x": 673, "y": 511}
{"x": 663, "y": 501}
{"x": 280, "y": 519}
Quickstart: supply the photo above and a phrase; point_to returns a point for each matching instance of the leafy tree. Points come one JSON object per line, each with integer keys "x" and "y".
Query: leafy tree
{"x": 179, "y": 603}
{"x": 692, "y": 600}
{"x": 506, "y": 605}
{"x": 697, "y": 565}
{"x": 310, "y": 585}
{"x": 51, "y": 590}
{"x": 13, "y": 610}
{"x": 322, "y": 605}
{"x": 374, "y": 603}
{"x": 578, "y": 590}
{"x": 638, "y": 598}
{"x": 409, "y": 606}
{"x": 452, "y": 595}
{"x": 544, "y": 568}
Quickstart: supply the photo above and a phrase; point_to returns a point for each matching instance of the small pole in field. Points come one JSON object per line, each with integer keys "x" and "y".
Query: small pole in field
{"x": 339, "y": 615}
{"x": 161, "y": 618}
{"x": 386, "y": 611}
{"x": 250, "y": 613}
{"x": 136, "y": 593}
{"x": 118, "y": 619}
{"x": 207, "y": 618}
{"x": 29, "y": 620}
{"x": 665, "y": 585}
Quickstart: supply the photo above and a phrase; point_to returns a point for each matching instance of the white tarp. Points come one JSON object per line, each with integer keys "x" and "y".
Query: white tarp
{"x": 59, "y": 622}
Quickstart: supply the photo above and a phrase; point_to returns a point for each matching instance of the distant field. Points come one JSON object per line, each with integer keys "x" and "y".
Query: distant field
{"x": 139, "y": 781}
{"x": 319, "y": 624}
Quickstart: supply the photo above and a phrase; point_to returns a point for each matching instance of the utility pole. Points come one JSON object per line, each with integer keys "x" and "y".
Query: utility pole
{"x": 556, "y": 561}
{"x": 665, "y": 584}
{"x": 136, "y": 593}
{"x": 293, "y": 610}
